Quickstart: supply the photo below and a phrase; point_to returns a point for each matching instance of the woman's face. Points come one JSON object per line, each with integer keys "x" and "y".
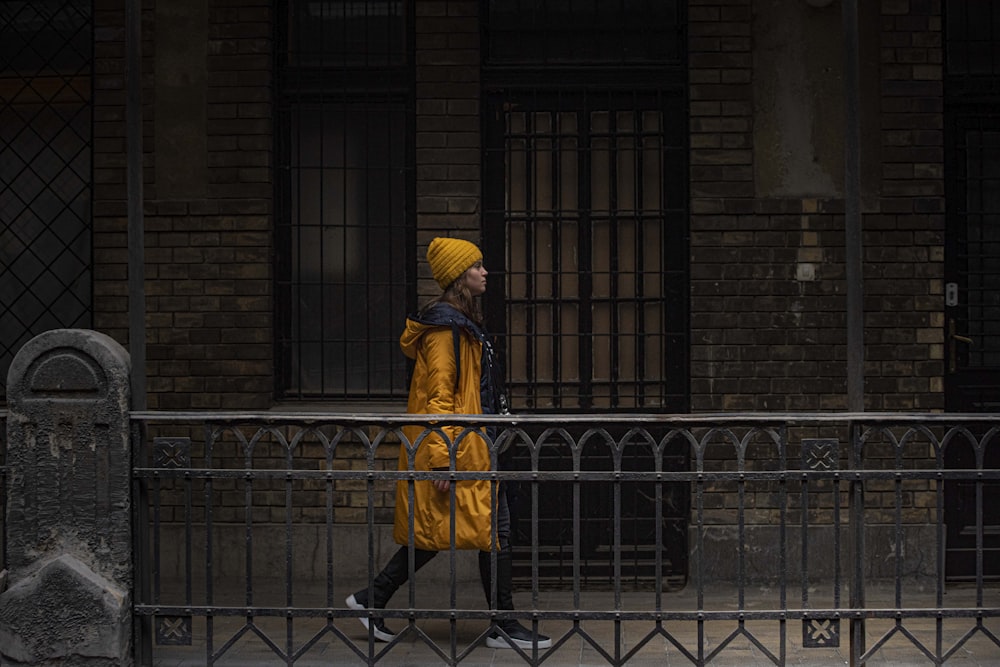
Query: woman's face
{"x": 474, "y": 278}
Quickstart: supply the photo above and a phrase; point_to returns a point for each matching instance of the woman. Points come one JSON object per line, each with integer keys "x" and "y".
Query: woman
{"x": 455, "y": 372}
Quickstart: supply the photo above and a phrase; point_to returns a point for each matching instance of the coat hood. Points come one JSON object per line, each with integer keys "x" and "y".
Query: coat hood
{"x": 492, "y": 386}
{"x": 439, "y": 315}
{"x": 411, "y": 336}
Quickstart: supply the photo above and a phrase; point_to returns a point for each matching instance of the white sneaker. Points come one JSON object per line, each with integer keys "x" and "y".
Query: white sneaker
{"x": 382, "y": 633}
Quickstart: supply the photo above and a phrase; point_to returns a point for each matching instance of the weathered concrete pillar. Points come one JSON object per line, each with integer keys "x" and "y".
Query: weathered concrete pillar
{"x": 69, "y": 521}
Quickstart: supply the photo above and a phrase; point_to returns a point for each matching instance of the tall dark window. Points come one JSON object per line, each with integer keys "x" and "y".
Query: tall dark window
{"x": 585, "y": 187}
{"x": 344, "y": 203}
{"x": 596, "y": 268}
{"x": 585, "y": 209}
{"x": 46, "y": 57}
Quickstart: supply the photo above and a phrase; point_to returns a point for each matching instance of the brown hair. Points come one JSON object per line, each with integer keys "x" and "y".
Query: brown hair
{"x": 458, "y": 296}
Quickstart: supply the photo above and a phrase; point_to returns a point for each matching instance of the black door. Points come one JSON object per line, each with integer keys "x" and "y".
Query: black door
{"x": 972, "y": 334}
{"x": 972, "y": 277}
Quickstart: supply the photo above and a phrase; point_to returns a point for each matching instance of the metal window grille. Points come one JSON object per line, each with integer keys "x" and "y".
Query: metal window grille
{"x": 345, "y": 262}
{"x": 46, "y": 56}
{"x": 585, "y": 188}
{"x": 596, "y": 270}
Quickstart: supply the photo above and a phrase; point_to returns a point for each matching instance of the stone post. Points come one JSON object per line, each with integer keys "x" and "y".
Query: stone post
{"x": 69, "y": 521}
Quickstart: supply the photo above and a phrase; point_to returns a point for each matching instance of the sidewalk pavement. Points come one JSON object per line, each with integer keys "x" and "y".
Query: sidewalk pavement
{"x": 592, "y": 643}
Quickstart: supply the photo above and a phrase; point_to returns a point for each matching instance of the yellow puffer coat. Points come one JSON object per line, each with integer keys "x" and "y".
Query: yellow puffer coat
{"x": 433, "y": 391}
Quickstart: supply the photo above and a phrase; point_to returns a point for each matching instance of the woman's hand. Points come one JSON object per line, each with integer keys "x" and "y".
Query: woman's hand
{"x": 441, "y": 485}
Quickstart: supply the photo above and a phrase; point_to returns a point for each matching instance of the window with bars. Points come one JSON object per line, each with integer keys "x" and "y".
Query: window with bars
{"x": 585, "y": 188}
{"x": 46, "y": 56}
{"x": 585, "y": 211}
{"x": 343, "y": 220}
{"x": 595, "y": 268}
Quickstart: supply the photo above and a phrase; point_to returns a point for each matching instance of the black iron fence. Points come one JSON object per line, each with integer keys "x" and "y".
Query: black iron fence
{"x": 806, "y": 538}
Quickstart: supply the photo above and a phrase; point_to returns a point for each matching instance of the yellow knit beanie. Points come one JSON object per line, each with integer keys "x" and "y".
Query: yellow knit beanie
{"x": 449, "y": 258}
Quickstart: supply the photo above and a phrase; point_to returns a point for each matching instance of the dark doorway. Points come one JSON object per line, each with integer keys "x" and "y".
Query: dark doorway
{"x": 972, "y": 275}
{"x": 972, "y": 318}
{"x": 972, "y": 272}
{"x": 609, "y": 529}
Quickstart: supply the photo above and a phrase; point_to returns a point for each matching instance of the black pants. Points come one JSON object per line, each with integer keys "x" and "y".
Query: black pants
{"x": 397, "y": 571}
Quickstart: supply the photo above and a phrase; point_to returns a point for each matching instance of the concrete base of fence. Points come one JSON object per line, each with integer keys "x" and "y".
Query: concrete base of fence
{"x": 40, "y": 617}
{"x": 719, "y": 560}
{"x": 718, "y": 563}
{"x": 308, "y": 542}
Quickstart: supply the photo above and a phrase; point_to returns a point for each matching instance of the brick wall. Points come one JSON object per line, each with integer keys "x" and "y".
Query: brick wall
{"x": 767, "y": 277}
{"x": 208, "y": 256}
{"x": 767, "y": 273}
{"x": 447, "y": 126}
{"x": 110, "y": 223}
{"x": 904, "y": 260}
{"x": 768, "y": 290}
{"x": 208, "y": 241}
{"x": 724, "y": 236}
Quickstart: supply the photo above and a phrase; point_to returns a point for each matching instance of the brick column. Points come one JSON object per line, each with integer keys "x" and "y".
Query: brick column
{"x": 722, "y": 189}
{"x": 208, "y": 198}
{"x": 904, "y": 270}
{"x": 447, "y": 125}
